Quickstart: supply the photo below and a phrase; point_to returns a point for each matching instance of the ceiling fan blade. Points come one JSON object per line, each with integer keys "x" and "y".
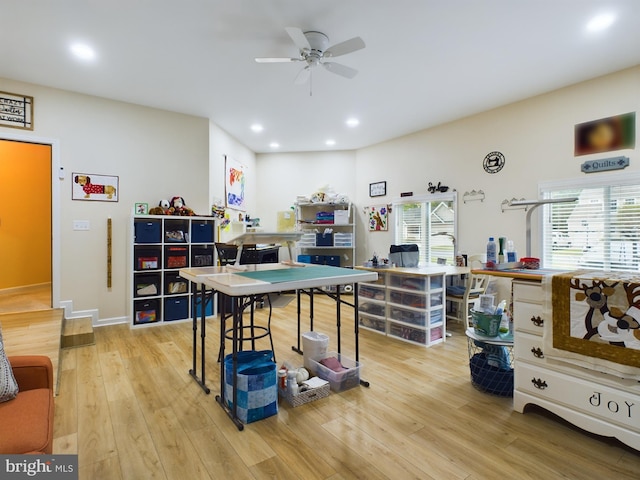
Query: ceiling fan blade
{"x": 348, "y": 46}
{"x": 303, "y": 76}
{"x": 298, "y": 38}
{"x": 340, "y": 69}
{"x": 276, "y": 59}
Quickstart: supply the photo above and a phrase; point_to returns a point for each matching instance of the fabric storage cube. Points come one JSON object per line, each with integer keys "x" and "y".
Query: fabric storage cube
{"x": 341, "y": 217}
{"x": 147, "y": 258}
{"x": 146, "y": 311}
{"x": 147, "y": 284}
{"x": 304, "y": 258}
{"x": 174, "y": 283}
{"x": 317, "y": 259}
{"x": 147, "y": 231}
{"x": 333, "y": 260}
{"x": 201, "y": 256}
{"x": 256, "y": 383}
{"x": 342, "y": 380}
{"x": 324, "y": 239}
{"x": 176, "y": 308}
{"x": 201, "y": 232}
{"x": 176, "y": 230}
{"x": 176, "y": 257}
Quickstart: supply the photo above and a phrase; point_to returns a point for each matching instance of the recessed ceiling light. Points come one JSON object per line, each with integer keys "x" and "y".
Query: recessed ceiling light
{"x": 274, "y": 145}
{"x": 601, "y": 22}
{"x": 330, "y": 142}
{"x": 353, "y": 122}
{"x": 83, "y": 51}
{"x": 256, "y": 127}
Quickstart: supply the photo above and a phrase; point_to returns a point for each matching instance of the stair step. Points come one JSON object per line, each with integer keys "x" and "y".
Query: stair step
{"x": 77, "y": 332}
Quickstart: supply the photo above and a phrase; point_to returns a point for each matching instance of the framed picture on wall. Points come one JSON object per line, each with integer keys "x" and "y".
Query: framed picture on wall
{"x": 234, "y": 184}
{"x": 87, "y": 186}
{"x": 377, "y": 189}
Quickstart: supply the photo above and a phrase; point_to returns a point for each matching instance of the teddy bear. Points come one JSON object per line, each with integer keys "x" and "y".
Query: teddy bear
{"x": 178, "y": 207}
{"x": 161, "y": 209}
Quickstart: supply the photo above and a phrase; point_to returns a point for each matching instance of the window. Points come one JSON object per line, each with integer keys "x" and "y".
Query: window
{"x": 601, "y": 230}
{"x": 430, "y": 222}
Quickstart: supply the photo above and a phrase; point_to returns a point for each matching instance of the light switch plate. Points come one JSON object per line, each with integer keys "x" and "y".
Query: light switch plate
{"x": 81, "y": 225}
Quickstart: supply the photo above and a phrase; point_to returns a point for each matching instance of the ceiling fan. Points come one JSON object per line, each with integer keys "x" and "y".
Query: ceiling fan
{"x": 314, "y": 50}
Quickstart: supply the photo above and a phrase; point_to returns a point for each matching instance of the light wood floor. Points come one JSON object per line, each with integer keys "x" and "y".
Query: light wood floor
{"x": 33, "y": 333}
{"x": 23, "y": 299}
{"x": 130, "y": 410}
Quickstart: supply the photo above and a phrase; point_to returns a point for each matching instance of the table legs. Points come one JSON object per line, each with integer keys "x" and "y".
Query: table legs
{"x": 202, "y": 293}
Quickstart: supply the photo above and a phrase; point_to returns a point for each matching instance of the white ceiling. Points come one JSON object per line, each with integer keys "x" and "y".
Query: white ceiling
{"x": 426, "y": 62}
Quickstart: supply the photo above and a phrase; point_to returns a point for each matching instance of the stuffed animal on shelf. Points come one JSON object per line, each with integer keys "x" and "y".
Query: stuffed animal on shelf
{"x": 161, "y": 209}
{"x": 178, "y": 207}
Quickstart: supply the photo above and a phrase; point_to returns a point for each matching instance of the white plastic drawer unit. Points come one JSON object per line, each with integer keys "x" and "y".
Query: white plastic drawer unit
{"x": 371, "y": 292}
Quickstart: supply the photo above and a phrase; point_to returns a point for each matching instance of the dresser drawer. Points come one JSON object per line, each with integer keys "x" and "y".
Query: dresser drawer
{"x": 528, "y": 347}
{"x": 528, "y": 291}
{"x": 613, "y": 405}
{"x": 527, "y": 317}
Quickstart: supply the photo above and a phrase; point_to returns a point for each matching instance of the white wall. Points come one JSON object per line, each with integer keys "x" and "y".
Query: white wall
{"x": 222, "y": 144}
{"x": 284, "y": 176}
{"x": 156, "y": 154}
{"x": 535, "y": 135}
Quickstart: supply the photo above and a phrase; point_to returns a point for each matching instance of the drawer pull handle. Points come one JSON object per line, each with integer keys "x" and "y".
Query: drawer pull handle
{"x": 537, "y": 321}
{"x": 539, "y": 383}
{"x": 537, "y": 352}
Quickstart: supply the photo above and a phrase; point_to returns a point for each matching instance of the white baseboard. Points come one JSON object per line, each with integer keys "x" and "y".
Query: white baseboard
{"x": 96, "y": 321}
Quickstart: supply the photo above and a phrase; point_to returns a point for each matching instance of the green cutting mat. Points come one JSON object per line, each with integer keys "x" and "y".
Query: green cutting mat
{"x": 299, "y": 273}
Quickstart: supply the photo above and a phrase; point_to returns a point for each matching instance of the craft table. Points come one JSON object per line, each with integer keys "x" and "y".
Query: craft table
{"x": 239, "y": 282}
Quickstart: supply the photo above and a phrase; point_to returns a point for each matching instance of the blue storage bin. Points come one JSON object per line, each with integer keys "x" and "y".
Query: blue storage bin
{"x": 333, "y": 260}
{"x": 317, "y": 259}
{"x": 176, "y": 308}
{"x": 324, "y": 239}
{"x": 304, "y": 258}
{"x": 147, "y": 231}
{"x": 196, "y": 306}
{"x": 201, "y": 232}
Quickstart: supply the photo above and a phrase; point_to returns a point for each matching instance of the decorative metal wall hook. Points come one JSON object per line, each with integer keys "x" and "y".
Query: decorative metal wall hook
{"x": 509, "y": 205}
{"x": 473, "y": 196}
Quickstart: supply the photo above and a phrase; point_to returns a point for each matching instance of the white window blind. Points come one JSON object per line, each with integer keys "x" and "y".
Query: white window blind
{"x": 601, "y": 230}
{"x": 428, "y": 222}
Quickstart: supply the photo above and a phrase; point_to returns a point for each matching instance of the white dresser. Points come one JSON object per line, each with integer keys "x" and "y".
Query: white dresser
{"x": 596, "y": 402}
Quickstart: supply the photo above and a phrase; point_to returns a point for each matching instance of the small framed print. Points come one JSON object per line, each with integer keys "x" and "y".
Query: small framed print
{"x": 377, "y": 189}
{"x": 142, "y": 208}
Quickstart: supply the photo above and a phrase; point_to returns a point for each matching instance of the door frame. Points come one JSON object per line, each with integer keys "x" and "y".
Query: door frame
{"x": 57, "y": 176}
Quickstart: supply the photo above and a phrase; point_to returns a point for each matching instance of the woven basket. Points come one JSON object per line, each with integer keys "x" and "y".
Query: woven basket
{"x": 308, "y": 396}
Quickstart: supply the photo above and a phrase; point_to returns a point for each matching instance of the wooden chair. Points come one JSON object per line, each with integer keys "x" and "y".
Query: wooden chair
{"x": 461, "y": 299}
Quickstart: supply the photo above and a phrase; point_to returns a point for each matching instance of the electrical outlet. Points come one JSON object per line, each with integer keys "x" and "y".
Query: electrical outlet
{"x": 81, "y": 225}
